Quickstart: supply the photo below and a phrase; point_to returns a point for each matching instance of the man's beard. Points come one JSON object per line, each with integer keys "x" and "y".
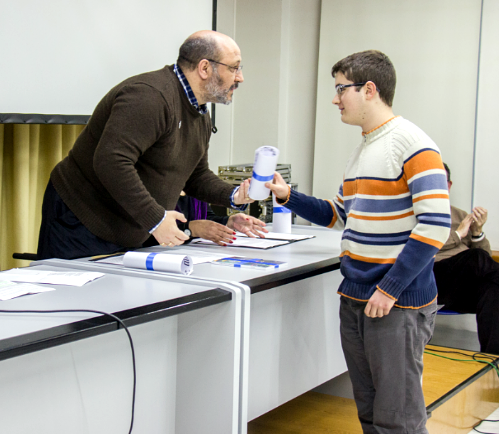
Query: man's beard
{"x": 215, "y": 92}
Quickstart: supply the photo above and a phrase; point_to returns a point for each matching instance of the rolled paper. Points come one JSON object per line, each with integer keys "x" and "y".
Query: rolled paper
{"x": 263, "y": 171}
{"x": 170, "y": 263}
{"x": 281, "y": 217}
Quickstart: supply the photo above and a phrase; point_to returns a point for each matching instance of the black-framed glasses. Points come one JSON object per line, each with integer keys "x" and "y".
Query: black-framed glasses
{"x": 236, "y": 69}
{"x": 340, "y": 88}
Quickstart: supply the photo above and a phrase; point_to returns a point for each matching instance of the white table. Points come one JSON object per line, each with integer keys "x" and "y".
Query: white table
{"x": 72, "y": 372}
{"x": 290, "y": 323}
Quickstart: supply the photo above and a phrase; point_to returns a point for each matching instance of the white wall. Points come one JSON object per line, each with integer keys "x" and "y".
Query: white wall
{"x": 486, "y": 186}
{"x": 275, "y": 105}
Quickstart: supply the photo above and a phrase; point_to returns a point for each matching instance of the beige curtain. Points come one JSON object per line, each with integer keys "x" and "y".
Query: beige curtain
{"x": 28, "y": 154}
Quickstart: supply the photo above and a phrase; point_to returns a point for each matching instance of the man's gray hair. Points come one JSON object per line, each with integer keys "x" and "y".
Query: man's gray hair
{"x": 193, "y": 50}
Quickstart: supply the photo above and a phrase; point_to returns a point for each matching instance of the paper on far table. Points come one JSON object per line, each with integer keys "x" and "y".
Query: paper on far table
{"x": 255, "y": 243}
{"x": 280, "y": 236}
{"x": 9, "y": 290}
{"x": 72, "y": 278}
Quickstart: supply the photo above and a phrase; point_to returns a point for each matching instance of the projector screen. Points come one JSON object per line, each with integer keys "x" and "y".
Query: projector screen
{"x": 60, "y": 57}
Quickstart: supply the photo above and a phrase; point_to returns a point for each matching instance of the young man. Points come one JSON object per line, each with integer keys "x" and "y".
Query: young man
{"x": 393, "y": 208}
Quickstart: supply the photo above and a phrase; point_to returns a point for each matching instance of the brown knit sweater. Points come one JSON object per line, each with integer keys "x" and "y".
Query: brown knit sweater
{"x": 143, "y": 145}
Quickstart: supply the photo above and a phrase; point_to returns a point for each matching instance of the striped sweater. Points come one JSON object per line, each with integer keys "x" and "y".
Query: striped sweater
{"x": 393, "y": 207}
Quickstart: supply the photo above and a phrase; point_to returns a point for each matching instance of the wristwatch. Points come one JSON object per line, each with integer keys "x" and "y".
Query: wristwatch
{"x": 187, "y": 231}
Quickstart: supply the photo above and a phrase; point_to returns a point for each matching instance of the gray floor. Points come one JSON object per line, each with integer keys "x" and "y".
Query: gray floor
{"x": 456, "y": 331}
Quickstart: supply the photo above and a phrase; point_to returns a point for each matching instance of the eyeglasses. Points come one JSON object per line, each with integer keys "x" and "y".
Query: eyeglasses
{"x": 236, "y": 69}
{"x": 340, "y": 88}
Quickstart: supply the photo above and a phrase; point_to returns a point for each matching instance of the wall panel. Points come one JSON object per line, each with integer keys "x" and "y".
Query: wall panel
{"x": 486, "y": 186}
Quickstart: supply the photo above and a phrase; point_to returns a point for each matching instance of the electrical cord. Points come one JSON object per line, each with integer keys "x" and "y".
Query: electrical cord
{"x": 474, "y": 355}
{"x": 479, "y": 423}
{"x": 475, "y": 358}
{"x": 119, "y": 321}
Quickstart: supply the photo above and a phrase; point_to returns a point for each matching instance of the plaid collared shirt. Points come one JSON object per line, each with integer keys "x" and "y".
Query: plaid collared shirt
{"x": 203, "y": 109}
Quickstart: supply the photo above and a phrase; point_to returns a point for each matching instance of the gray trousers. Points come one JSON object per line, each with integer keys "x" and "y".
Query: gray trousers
{"x": 385, "y": 362}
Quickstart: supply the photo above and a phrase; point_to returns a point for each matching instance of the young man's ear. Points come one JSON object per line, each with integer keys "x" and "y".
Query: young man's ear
{"x": 370, "y": 89}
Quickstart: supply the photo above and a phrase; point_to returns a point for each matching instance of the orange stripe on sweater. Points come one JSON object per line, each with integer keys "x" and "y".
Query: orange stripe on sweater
{"x": 384, "y": 218}
{"x": 431, "y": 196}
{"x": 375, "y": 187}
{"x": 427, "y": 240}
{"x": 427, "y": 160}
{"x": 366, "y": 259}
{"x": 333, "y": 221}
{"x": 416, "y": 307}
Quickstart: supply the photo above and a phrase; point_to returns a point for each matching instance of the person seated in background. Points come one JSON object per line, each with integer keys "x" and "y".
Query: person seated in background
{"x": 467, "y": 277}
{"x": 202, "y": 222}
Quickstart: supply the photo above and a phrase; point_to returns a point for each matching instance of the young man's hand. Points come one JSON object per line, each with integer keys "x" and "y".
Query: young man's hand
{"x": 379, "y": 305}
{"x": 278, "y": 186}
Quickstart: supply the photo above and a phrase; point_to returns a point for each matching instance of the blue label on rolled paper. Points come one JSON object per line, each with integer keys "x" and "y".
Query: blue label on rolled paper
{"x": 263, "y": 178}
{"x": 280, "y": 209}
{"x": 149, "y": 261}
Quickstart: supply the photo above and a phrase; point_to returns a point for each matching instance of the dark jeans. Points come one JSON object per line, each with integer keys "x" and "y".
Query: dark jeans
{"x": 63, "y": 236}
{"x": 469, "y": 283}
{"x": 385, "y": 361}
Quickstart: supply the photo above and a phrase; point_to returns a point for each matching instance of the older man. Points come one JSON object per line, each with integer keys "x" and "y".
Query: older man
{"x": 467, "y": 277}
{"x": 146, "y": 141}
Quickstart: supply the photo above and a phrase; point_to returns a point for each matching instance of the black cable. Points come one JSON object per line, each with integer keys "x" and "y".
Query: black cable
{"x": 473, "y": 356}
{"x": 118, "y": 320}
{"x": 479, "y": 423}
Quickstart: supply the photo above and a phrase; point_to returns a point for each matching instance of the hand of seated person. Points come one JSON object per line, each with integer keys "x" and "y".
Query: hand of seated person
{"x": 464, "y": 226}
{"x": 212, "y": 231}
{"x": 479, "y": 215}
{"x": 247, "y": 224}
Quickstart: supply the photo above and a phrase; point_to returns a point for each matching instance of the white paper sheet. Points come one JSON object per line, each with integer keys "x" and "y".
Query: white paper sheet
{"x": 72, "y": 278}
{"x": 279, "y": 236}
{"x": 9, "y": 290}
{"x": 255, "y": 243}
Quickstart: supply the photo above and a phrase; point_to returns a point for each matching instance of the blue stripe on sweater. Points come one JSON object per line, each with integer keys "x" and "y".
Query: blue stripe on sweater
{"x": 380, "y": 205}
{"x": 376, "y": 179}
{"x": 392, "y": 239}
{"x": 427, "y": 183}
{"x": 435, "y": 219}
